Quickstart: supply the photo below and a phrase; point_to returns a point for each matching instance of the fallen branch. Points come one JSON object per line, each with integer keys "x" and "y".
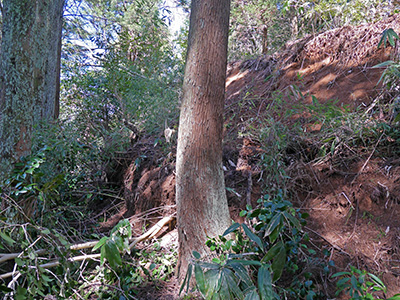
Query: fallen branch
{"x": 134, "y": 241}
{"x": 9, "y": 256}
{"x": 53, "y": 264}
{"x": 153, "y": 231}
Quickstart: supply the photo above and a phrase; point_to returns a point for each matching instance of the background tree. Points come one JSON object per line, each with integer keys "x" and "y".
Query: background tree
{"x": 202, "y": 208}
{"x": 264, "y": 26}
{"x": 257, "y": 27}
{"x": 29, "y": 73}
{"x": 120, "y": 74}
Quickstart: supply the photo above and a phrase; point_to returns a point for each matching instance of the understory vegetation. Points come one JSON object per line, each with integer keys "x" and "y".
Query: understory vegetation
{"x": 270, "y": 257}
{"x": 57, "y": 210}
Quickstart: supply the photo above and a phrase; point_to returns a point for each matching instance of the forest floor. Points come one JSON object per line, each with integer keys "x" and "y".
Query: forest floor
{"x": 351, "y": 193}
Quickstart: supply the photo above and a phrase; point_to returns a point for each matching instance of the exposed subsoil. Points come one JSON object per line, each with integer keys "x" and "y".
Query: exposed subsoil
{"x": 353, "y": 196}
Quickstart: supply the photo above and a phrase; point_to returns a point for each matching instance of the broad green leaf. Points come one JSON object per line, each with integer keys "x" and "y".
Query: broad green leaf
{"x": 252, "y": 295}
{"x": 21, "y": 293}
{"x": 199, "y": 275}
{"x": 231, "y": 228}
{"x": 340, "y": 274}
{"x": 206, "y": 265}
{"x": 19, "y": 262}
{"x": 214, "y": 296}
{"x": 391, "y": 36}
{"x": 388, "y": 35}
{"x": 391, "y": 40}
{"x": 243, "y": 262}
{"x": 232, "y": 283}
{"x": 377, "y": 281}
{"x": 354, "y": 282}
{"x": 383, "y": 39}
{"x": 275, "y": 234}
{"x": 100, "y": 243}
{"x": 216, "y": 260}
{"x": 242, "y": 273}
{"x": 45, "y": 231}
{"x": 119, "y": 242}
{"x": 395, "y": 297}
{"x": 122, "y": 226}
{"x": 275, "y": 221}
{"x": 7, "y": 238}
{"x": 223, "y": 291}
{"x": 278, "y": 264}
{"x": 311, "y": 295}
{"x": 292, "y": 220}
{"x": 112, "y": 254}
{"x": 219, "y": 281}
{"x": 189, "y": 274}
{"x": 186, "y": 281}
{"x": 212, "y": 280}
{"x": 252, "y": 236}
{"x": 342, "y": 281}
{"x": 265, "y": 283}
{"x": 196, "y": 254}
{"x": 380, "y": 42}
{"x": 46, "y": 278}
{"x": 272, "y": 252}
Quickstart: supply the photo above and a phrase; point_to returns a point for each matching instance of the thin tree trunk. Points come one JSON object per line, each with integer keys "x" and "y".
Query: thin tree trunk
{"x": 264, "y": 39}
{"x": 202, "y": 209}
{"x": 29, "y": 73}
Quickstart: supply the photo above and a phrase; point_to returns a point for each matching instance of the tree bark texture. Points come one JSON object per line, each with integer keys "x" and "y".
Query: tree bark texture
{"x": 29, "y": 73}
{"x": 202, "y": 208}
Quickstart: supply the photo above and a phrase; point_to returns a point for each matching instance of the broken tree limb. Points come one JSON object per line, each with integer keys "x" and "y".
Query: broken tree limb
{"x": 152, "y": 232}
{"x": 53, "y": 264}
{"x": 149, "y": 234}
{"x": 9, "y": 256}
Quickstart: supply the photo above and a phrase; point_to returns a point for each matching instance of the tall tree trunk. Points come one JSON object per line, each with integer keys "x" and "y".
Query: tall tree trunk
{"x": 202, "y": 208}
{"x": 29, "y": 73}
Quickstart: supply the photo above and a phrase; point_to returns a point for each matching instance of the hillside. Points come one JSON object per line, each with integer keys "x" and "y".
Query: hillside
{"x": 351, "y": 193}
{"x": 315, "y": 119}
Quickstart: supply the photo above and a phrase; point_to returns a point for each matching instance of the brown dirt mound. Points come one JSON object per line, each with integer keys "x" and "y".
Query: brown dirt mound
{"x": 336, "y": 64}
{"x": 353, "y": 196}
{"x": 354, "y": 214}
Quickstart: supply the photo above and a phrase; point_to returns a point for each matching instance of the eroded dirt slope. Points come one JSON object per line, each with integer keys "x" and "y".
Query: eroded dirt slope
{"x": 352, "y": 196}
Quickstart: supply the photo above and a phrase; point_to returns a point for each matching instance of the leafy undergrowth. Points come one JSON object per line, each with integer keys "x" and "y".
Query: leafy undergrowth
{"x": 312, "y": 166}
